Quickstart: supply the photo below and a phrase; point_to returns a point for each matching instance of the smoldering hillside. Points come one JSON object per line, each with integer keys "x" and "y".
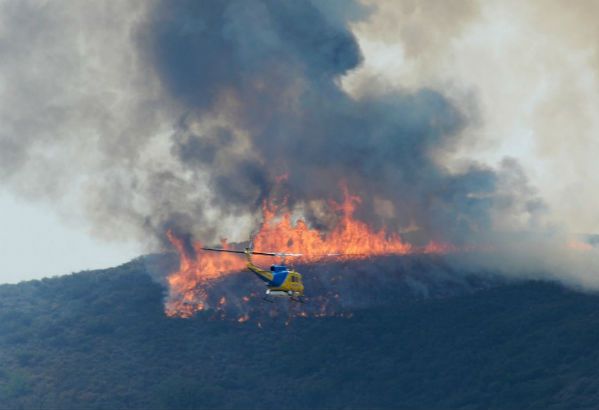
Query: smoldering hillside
{"x": 332, "y": 288}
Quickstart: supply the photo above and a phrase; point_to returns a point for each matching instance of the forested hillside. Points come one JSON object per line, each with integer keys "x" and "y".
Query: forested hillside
{"x": 100, "y": 340}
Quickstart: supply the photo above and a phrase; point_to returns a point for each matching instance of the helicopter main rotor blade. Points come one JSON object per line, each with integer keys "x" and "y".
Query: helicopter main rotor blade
{"x": 287, "y": 254}
{"x": 222, "y": 250}
{"x": 253, "y": 252}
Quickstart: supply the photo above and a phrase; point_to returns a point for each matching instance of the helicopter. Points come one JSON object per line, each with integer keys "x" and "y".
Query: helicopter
{"x": 281, "y": 281}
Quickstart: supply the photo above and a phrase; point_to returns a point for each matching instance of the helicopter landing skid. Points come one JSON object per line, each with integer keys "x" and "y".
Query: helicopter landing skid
{"x": 291, "y": 298}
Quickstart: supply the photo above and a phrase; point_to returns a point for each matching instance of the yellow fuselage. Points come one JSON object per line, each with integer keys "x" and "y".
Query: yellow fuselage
{"x": 279, "y": 280}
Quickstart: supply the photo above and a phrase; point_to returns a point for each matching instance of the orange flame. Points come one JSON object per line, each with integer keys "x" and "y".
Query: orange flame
{"x": 187, "y": 286}
{"x": 349, "y": 236}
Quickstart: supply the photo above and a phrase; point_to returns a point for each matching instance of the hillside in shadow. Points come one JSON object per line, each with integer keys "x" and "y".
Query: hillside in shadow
{"x": 100, "y": 339}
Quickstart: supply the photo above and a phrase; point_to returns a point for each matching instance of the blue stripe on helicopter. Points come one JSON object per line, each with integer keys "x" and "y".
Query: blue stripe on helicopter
{"x": 279, "y": 277}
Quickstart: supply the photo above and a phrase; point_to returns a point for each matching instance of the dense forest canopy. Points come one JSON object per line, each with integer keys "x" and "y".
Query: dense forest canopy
{"x": 100, "y": 339}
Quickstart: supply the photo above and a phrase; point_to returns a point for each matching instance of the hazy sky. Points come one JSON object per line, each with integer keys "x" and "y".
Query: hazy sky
{"x": 36, "y": 243}
{"x": 527, "y": 73}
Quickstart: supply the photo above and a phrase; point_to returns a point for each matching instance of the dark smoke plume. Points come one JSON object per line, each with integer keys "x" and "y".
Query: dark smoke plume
{"x": 271, "y": 70}
{"x": 190, "y": 111}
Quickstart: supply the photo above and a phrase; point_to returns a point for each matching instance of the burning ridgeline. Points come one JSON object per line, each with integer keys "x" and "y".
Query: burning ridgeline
{"x": 334, "y": 288}
{"x": 369, "y": 270}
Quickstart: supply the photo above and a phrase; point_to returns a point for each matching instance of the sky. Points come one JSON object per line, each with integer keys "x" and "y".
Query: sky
{"x": 82, "y": 111}
{"x": 37, "y": 243}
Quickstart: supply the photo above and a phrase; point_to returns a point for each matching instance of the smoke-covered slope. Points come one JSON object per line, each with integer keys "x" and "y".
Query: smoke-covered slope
{"x": 100, "y": 340}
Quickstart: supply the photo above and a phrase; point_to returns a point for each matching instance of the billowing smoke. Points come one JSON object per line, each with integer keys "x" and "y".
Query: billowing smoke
{"x": 259, "y": 84}
{"x": 187, "y": 115}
